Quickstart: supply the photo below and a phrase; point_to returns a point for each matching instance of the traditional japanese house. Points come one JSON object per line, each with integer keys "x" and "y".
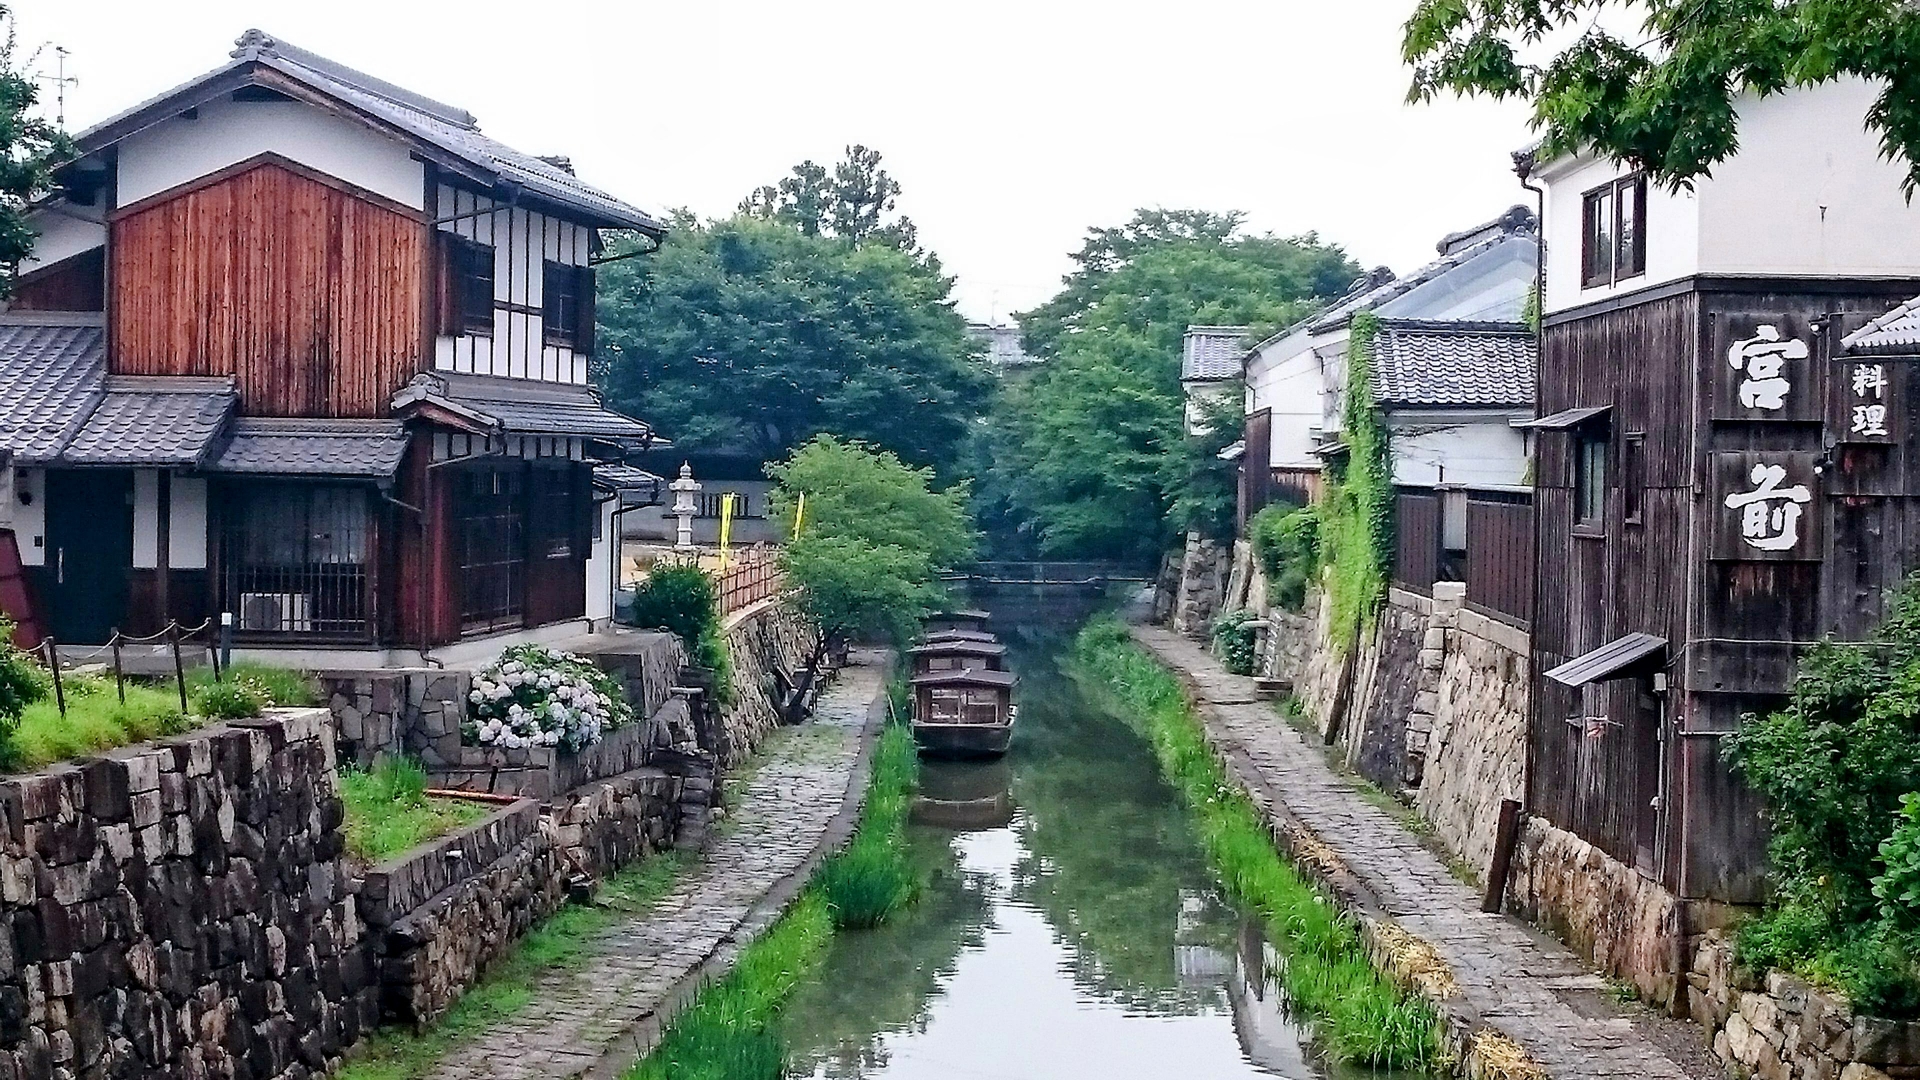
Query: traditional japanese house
{"x": 302, "y": 346}
{"x": 1715, "y": 487}
{"x": 958, "y": 655}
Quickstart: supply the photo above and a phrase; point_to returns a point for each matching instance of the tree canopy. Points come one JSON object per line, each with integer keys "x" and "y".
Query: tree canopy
{"x": 29, "y": 148}
{"x": 807, "y": 313}
{"x": 1666, "y": 102}
{"x": 872, "y": 539}
{"x": 1087, "y": 455}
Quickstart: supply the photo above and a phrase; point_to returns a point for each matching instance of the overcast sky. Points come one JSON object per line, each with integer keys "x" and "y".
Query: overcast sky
{"x": 1014, "y": 125}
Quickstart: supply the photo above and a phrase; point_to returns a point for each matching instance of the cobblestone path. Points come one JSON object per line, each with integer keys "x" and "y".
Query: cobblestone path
{"x": 596, "y": 1018}
{"x": 1526, "y": 986}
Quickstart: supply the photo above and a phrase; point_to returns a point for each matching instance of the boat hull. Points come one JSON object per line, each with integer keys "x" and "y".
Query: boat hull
{"x": 963, "y": 740}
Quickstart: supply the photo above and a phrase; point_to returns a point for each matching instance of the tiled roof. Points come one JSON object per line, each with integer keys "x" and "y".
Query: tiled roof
{"x": 1370, "y": 298}
{"x": 1453, "y": 364}
{"x": 52, "y": 372}
{"x": 524, "y": 406}
{"x": 1213, "y": 352}
{"x": 618, "y": 476}
{"x": 1897, "y": 333}
{"x": 447, "y": 129}
{"x": 313, "y": 447}
{"x": 159, "y": 421}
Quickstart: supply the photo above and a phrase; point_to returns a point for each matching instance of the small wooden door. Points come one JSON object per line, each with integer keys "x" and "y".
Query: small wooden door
{"x": 89, "y": 552}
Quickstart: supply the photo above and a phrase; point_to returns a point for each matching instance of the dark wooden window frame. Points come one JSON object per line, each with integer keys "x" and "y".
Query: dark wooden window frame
{"x": 1591, "y": 446}
{"x": 1619, "y": 251}
{"x": 566, "y": 310}
{"x": 490, "y": 522}
{"x": 467, "y": 286}
{"x": 313, "y": 540}
{"x": 1633, "y": 478}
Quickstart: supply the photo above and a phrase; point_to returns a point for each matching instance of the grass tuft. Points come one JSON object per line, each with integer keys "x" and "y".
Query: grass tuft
{"x": 869, "y": 881}
{"x": 388, "y": 810}
{"x": 1361, "y": 1017}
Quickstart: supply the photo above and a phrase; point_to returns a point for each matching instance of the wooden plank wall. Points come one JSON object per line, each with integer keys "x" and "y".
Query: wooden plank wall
{"x": 1416, "y": 538}
{"x": 1500, "y": 554}
{"x": 307, "y": 293}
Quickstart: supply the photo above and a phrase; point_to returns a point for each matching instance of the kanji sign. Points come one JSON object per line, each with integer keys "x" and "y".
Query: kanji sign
{"x": 1763, "y": 361}
{"x": 1867, "y": 391}
{"x": 1765, "y": 505}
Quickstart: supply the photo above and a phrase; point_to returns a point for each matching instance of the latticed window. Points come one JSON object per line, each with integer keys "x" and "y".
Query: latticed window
{"x": 294, "y": 559}
{"x": 490, "y": 511}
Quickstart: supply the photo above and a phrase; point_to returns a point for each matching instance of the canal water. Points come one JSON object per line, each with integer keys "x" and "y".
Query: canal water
{"x": 1070, "y": 929}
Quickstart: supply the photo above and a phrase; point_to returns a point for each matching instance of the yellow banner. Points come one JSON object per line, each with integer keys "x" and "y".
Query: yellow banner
{"x": 726, "y": 528}
{"x": 799, "y": 514}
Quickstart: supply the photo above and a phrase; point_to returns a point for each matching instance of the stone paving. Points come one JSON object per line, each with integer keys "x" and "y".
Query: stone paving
{"x": 1524, "y": 985}
{"x": 596, "y": 1018}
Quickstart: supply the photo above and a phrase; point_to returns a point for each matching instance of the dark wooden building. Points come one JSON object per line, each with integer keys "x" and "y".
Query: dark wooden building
{"x": 1706, "y": 503}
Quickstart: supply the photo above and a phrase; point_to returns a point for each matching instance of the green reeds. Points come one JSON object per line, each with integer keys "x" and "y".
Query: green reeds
{"x": 1361, "y": 1017}
{"x": 870, "y": 880}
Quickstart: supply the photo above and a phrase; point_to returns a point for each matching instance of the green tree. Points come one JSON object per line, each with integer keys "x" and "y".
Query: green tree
{"x": 1666, "y": 100}
{"x": 810, "y": 311}
{"x": 1088, "y": 455}
{"x": 872, "y": 540}
{"x": 29, "y": 149}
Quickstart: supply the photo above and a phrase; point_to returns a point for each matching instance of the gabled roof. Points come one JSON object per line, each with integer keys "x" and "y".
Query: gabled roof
{"x": 449, "y": 136}
{"x": 964, "y": 677}
{"x": 153, "y": 421}
{"x": 959, "y": 648}
{"x": 1897, "y": 333}
{"x": 1212, "y": 352}
{"x": 313, "y": 447}
{"x": 53, "y": 371}
{"x": 1456, "y": 364}
{"x": 494, "y": 405}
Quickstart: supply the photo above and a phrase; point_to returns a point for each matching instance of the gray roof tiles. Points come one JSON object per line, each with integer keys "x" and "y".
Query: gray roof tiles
{"x": 525, "y": 407}
{"x": 316, "y": 447}
{"x": 1212, "y": 352}
{"x": 1453, "y": 364}
{"x": 52, "y": 373}
{"x": 1897, "y": 333}
{"x": 153, "y": 422}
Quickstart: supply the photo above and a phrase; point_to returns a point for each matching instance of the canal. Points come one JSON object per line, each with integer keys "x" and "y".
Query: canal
{"x": 1069, "y": 927}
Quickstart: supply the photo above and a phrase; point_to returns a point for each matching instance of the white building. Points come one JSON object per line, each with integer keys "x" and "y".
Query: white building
{"x": 1210, "y": 359}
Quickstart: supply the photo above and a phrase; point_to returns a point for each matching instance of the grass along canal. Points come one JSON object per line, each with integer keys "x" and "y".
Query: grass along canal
{"x": 1068, "y": 924}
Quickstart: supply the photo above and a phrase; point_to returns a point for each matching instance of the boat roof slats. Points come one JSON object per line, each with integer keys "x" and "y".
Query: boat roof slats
{"x": 960, "y": 635}
{"x": 960, "y": 647}
{"x": 1608, "y": 661}
{"x": 965, "y": 678}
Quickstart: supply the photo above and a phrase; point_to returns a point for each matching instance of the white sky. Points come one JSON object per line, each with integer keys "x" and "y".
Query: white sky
{"x": 1014, "y": 125}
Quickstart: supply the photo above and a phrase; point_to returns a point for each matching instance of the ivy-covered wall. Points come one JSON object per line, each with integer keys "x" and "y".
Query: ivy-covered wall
{"x": 1357, "y": 512}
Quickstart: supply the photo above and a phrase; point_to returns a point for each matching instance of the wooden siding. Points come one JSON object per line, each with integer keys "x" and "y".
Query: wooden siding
{"x": 522, "y": 242}
{"x": 1500, "y": 554}
{"x": 1639, "y": 775}
{"x": 1416, "y": 539}
{"x": 1256, "y": 476}
{"x": 76, "y": 283}
{"x": 305, "y": 292}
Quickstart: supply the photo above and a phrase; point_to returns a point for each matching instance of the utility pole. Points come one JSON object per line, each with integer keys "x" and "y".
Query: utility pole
{"x": 60, "y": 80}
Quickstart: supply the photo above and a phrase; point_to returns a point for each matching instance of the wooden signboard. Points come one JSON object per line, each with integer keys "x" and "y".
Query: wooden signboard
{"x": 1763, "y": 367}
{"x": 1764, "y": 505}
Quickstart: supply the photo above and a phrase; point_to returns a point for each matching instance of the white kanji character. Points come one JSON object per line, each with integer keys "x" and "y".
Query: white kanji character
{"x": 1870, "y": 420}
{"x": 1763, "y": 358}
{"x": 1870, "y": 380}
{"x": 1770, "y": 514}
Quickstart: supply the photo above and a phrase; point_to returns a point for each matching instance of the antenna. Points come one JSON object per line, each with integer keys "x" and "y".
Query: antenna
{"x": 60, "y": 80}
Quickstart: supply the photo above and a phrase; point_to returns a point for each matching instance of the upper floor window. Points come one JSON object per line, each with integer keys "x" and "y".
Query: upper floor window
{"x": 1613, "y": 245}
{"x": 567, "y": 310}
{"x": 466, "y": 286}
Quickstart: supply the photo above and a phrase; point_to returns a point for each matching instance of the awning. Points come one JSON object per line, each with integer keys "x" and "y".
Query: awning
{"x": 965, "y": 678}
{"x": 1566, "y": 418}
{"x": 1613, "y": 660}
{"x": 486, "y": 405}
{"x": 617, "y": 476}
{"x": 264, "y": 446}
{"x": 1235, "y": 452}
{"x": 153, "y": 422}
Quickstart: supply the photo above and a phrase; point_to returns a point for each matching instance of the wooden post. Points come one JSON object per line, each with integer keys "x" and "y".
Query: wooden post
{"x": 53, "y": 665}
{"x": 179, "y": 669}
{"x": 1504, "y": 840}
{"x": 119, "y": 672}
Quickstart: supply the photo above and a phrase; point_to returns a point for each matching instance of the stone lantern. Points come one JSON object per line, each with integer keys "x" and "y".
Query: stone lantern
{"x": 685, "y": 505}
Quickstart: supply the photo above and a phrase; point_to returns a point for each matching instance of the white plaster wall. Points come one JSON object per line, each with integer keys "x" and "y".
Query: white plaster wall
{"x": 1480, "y": 449}
{"x": 602, "y": 560}
{"x": 62, "y": 235}
{"x": 226, "y": 132}
{"x": 1673, "y": 234}
{"x": 1809, "y": 193}
{"x": 522, "y": 242}
{"x": 1286, "y": 378}
{"x": 30, "y": 520}
{"x": 187, "y": 522}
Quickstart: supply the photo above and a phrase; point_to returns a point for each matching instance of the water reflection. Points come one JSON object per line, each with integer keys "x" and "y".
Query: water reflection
{"x": 1069, "y": 929}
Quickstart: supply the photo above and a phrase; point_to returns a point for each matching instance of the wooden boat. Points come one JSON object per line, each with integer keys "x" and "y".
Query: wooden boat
{"x": 962, "y": 712}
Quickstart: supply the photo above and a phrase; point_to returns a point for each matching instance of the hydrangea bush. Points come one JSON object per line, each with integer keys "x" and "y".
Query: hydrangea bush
{"x": 535, "y": 696}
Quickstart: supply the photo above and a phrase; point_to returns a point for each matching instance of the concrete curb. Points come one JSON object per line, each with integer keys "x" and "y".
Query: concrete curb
{"x": 645, "y": 1034}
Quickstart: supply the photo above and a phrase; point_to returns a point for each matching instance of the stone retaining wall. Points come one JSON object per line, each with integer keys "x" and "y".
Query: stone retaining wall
{"x": 1470, "y": 752}
{"x": 1781, "y": 1028}
{"x": 769, "y": 648}
{"x": 179, "y": 909}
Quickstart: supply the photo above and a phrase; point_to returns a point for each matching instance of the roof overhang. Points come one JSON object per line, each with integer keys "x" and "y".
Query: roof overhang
{"x": 959, "y": 647}
{"x": 1621, "y": 658}
{"x": 1001, "y": 680}
{"x": 1567, "y": 418}
{"x": 1235, "y": 452}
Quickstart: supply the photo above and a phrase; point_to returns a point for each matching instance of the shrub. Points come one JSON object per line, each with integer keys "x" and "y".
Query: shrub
{"x": 22, "y": 681}
{"x": 282, "y": 686}
{"x": 1898, "y": 886}
{"x": 677, "y": 598}
{"x": 535, "y": 696}
{"x": 234, "y": 699}
{"x": 1233, "y": 640}
{"x": 1286, "y": 542}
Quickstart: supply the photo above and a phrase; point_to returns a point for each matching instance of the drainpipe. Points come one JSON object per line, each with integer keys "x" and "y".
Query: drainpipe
{"x": 1523, "y": 165}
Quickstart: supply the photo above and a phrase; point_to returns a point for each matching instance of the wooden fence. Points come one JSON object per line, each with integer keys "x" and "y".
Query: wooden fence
{"x": 1491, "y": 550}
{"x": 750, "y": 577}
